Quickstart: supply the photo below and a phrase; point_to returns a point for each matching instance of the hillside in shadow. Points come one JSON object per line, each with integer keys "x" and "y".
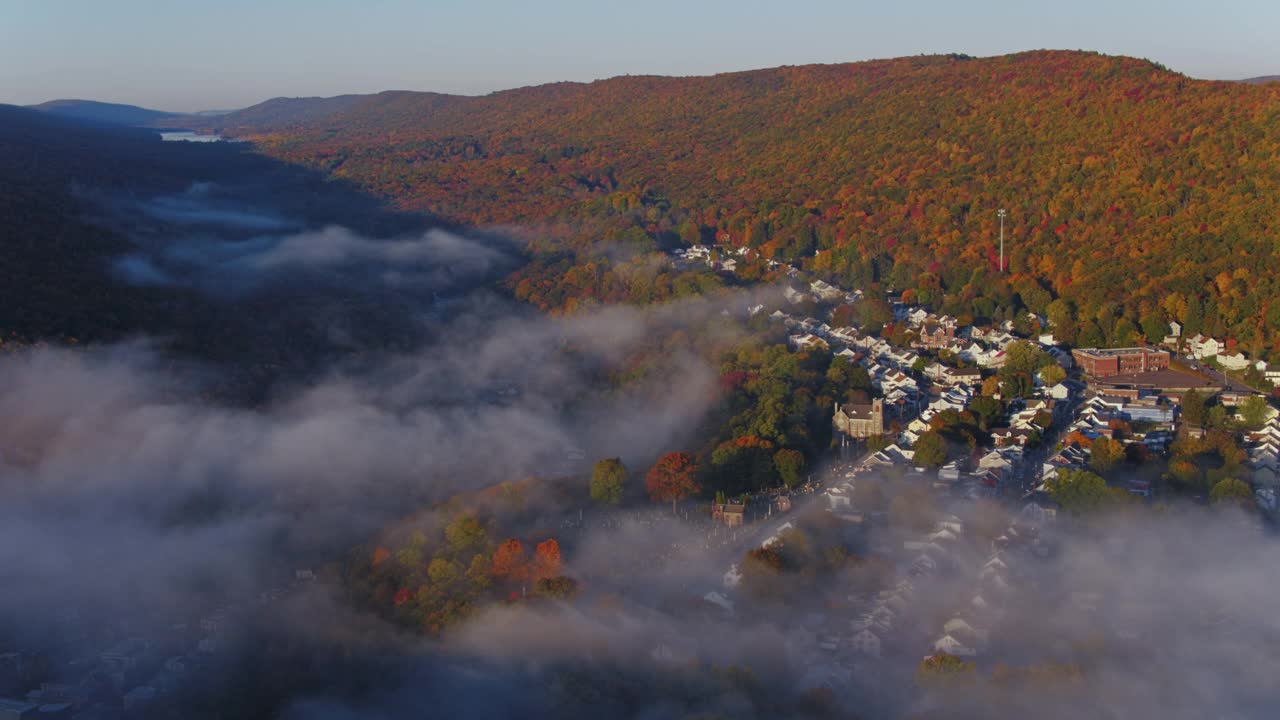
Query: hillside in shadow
{"x": 220, "y": 253}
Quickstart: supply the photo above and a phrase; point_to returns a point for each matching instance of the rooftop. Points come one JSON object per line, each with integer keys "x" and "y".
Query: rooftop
{"x": 1117, "y": 352}
{"x": 858, "y": 411}
{"x": 1168, "y": 379}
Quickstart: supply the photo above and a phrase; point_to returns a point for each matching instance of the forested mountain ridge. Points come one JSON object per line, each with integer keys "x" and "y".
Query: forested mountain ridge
{"x": 280, "y": 111}
{"x": 1135, "y": 194}
{"x": 108, "y": 113}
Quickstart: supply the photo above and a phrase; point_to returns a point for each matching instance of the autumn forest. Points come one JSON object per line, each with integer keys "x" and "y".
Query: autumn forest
{"x": 1135, "y": 195}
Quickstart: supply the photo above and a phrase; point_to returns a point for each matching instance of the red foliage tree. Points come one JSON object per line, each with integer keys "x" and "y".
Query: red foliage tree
{"x": 733, "y": 380}
{"x": 672, "y": 478}
{"x": 401, "y": 597}
{"x": 546, "y": 559}
{"x": 509, "y": 561}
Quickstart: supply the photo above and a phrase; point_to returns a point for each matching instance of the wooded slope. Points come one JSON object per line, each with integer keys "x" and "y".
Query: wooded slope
{"x": 1133, "y": 192}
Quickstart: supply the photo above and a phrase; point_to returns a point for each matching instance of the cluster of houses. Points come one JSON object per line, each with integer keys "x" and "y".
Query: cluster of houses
{"x": 913, "y": 391}
{"x": 1264, "y": 463}
{"x": 892, "y": 369}
{"x": 1149, "y": 423}
{"x": 1134, "y": 399}
{"x": 1202, "y": 347}
{"x": 967, "y": 633}
{"x": 887, "y": 622}
{"x": 134, "y": 674}
{"x": 980, "y": 476}
{"x": 889, "y": 368}
{"x": 982, "y": 346}
{"x": 723, "y": 259}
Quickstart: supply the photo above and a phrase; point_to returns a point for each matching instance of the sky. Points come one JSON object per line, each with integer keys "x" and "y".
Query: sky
{"x": 190, "y": 55}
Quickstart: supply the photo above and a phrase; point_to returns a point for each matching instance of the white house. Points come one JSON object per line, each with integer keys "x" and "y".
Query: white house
{"x": 825, "y": 291}
{"x": 942, "y": 536}
{"x": 719, "y": 601}
{"x": 838, "y": 497}
{"x": 806, "y": 342}
{"x": 960, "y": 629}
{"x": 1236, "y": 361}
{"x": 844, "y": 334}
{"x": 991, "y": 359}
{"x": 951, "y": 646}
{"x": 793, "y": 295}
{"x": 996, "y": 461}
{"x": 1203, "y": 347}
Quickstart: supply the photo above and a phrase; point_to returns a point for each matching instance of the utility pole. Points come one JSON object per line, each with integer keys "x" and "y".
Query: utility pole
{"x": 1001, "y": 213}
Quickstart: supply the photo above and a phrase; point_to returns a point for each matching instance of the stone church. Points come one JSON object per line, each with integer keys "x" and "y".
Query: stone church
{"x": 860, "y": 421}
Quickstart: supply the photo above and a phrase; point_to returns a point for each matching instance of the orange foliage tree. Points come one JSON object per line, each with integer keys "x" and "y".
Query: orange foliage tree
{"x": 672, "y": 478}
{"x": 509, "y": 561}
{"x": 546, "y": 559}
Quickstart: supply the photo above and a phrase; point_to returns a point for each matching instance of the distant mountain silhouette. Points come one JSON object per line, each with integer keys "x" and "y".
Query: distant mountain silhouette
{"x": 105, "y": 113}
{"x": 1261, "y": 79}
{"x": 278, "y": 112}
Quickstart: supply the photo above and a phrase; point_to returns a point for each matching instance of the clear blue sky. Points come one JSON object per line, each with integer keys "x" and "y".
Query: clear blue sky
{"x": 221, "y": 54}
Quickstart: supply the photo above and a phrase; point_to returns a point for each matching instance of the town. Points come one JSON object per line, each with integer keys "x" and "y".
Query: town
{"x": 1134, "y": 422}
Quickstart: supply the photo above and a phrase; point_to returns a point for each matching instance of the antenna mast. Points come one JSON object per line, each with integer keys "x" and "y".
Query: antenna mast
{"x": 1001, "y": 213}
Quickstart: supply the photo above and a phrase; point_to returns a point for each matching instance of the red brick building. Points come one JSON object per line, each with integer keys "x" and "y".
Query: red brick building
{"x": 936, "y": 335}
{"x": 1105, "y": 362}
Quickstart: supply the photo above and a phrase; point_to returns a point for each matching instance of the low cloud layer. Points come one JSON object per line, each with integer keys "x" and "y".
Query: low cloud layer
{"x": 122, "y": 497}
{"x": 435, "y": 262}
{"x": 1141, "y": 616}
{"x": 113, "y": 474}
{"x": 207, "y": 238}
{"x": 129, "y": 501}
{"x": 200, "y": 205}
